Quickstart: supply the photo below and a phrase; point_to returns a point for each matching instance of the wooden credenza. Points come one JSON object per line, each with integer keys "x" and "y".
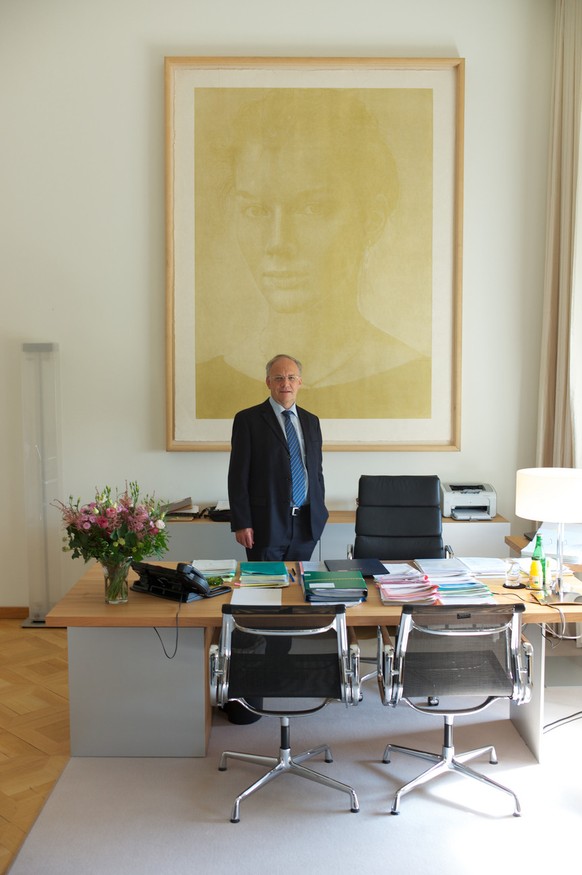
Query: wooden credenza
{"x": 204, "y": 539}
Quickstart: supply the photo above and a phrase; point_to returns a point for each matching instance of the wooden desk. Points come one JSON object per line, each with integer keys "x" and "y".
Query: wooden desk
{"x": 83, "y": 606}
{"x": 127, "y": 698}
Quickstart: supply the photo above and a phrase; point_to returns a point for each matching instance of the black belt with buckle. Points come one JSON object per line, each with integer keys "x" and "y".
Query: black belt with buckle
{"x": 295, "y": 511}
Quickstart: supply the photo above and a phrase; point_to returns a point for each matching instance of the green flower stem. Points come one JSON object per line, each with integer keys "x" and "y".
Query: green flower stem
{"x": 116, "y": 584}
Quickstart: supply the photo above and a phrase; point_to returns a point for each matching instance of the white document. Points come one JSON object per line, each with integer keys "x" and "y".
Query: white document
{"x": 256, "y": 596}
{"x": 400, "y": 570}
{"x": 484, "y": 566}
{"x": 452, "y": 567}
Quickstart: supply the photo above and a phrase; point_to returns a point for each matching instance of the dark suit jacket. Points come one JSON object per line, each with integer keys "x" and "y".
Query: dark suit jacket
{"x": 259, "y": 476}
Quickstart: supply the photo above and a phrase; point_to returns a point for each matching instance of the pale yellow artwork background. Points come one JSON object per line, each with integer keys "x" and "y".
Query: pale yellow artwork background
{"x": 395, "y": 292}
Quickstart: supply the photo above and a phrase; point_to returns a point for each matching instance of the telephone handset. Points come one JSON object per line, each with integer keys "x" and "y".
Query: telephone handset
{"x": 199, "y": 583}
{"x": 184, "y": 584}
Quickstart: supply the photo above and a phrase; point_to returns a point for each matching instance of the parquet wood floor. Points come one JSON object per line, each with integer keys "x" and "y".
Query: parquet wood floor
{"x": 34, "y": 727}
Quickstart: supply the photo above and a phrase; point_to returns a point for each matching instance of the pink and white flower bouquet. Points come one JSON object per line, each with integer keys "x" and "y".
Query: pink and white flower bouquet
{"x": 115, "y": 530}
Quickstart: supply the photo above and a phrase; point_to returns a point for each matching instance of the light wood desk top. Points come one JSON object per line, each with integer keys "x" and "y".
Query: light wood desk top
{"x": 83, "y": 606}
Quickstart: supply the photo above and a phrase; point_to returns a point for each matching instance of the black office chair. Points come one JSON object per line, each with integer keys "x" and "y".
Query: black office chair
{"x": 476, "y": 652}
{"x": 298, "y": 659}
{"x": 399, "y": 517}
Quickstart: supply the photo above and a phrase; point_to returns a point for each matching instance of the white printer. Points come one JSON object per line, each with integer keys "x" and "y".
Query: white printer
{"x": 468, "y": 501}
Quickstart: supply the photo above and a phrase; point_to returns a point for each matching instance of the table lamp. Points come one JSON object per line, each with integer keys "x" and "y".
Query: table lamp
{"x": 551, "y": 495}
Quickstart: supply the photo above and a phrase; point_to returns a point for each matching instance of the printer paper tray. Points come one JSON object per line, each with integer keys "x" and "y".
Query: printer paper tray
{"x": 470, "y": 513}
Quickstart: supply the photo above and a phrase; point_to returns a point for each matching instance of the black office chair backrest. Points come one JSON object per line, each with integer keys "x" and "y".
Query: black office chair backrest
{"x": 289, "y": 652}
{"x": 399, "y": 517}
{"x": 468, "y": 650}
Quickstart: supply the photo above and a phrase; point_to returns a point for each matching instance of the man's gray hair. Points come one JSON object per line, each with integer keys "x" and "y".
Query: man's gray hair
{"x": 283, "y": 355}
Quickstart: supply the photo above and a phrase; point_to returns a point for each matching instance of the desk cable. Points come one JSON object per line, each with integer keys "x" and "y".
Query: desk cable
{"x": 166, "y": 654}
{"x": 562, "y": 721}
{"x": 548, "y": 634}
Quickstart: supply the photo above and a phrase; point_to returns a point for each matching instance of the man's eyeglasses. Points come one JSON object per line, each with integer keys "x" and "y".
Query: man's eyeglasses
{"x": 292, "y": 378}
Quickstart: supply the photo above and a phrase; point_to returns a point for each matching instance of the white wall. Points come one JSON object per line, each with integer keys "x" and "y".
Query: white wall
{"x": 82, "y": 226}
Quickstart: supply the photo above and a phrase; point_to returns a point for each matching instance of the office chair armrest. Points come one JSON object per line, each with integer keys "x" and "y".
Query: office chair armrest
{"x": 350, "y": 551}
{"x": 352, "y": 669}
{"x": 524, "y": 672}
{"x": 384, "y": 637}
{"x": 215, "y": 673}
{"x": 386, "y": 674}
{"x": 449, "y": 552}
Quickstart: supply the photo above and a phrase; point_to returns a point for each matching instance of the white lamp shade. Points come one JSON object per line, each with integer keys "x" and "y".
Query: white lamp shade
{"x": 552, "y": 495}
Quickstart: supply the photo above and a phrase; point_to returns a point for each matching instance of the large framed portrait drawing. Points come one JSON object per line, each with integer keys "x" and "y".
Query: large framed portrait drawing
{"x": 314, "y": 208}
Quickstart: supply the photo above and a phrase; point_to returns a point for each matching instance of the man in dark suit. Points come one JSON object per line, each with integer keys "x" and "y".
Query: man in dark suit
{"x": 277, "y": 500}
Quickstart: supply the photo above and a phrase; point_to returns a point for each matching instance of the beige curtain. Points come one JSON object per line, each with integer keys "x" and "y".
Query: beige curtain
{"x": 560, "y": 402}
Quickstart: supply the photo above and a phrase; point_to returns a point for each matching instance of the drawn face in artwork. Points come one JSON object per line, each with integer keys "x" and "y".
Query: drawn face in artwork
{"x": 313, "y": 183}
{"x": 298, "y": 226}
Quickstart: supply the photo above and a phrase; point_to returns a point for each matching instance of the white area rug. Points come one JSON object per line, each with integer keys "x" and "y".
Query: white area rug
{"x": 125, "y": 816}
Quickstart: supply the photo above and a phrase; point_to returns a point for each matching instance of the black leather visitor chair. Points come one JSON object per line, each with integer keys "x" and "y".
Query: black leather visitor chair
{"x": 466, "y": 656}
{"x": 398, "y": 517}
{"x": 296, "y": 659}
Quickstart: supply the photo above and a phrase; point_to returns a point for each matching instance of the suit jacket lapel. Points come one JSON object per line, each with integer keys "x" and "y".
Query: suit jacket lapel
{"x": 271, "y": 419}
{"x": 305, "y": 424}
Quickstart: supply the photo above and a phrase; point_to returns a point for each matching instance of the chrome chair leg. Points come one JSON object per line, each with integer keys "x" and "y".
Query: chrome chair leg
{"x": 447, "y": 761}
{"x": 315, "y": 751}
{"x": 285, "y": 762}
{"x": 274, "y": 773}
{"x": 478, "y": 752}
{"x": 312, "y": 775}
{"x": 471, "y": 773}
{"x": 245, "y": 758}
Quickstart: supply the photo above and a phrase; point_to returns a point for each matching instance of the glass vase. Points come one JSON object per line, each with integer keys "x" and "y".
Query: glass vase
{"x": 116, "y": 581}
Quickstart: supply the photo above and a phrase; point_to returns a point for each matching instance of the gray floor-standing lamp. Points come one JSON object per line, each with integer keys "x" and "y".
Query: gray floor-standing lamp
{"x": 551, "y": 495}
{"x": 41, "y": 438}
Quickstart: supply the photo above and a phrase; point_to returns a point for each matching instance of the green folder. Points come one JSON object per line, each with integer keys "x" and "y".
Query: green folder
{"x": 328, "y": 586}
{"x": 263, "y": 574}
{"x": 270, "y": 569}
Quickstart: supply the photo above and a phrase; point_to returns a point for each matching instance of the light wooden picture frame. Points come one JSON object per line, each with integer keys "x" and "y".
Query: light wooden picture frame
{"x": 314, "y": 208}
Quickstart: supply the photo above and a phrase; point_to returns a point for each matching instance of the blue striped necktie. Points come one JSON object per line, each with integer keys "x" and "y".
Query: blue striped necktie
{"x": 297, "y": 469}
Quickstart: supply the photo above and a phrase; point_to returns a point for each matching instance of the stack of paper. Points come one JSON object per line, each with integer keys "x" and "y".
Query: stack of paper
{"x": 182, "y": 510}
{"x": 445, "y": 570}
{"x": 399, "y": 571}
{"x": 272, "y": 574}
{"x": 472, "y": 593}
{"x": 408, "y": 592}
{"x": 456, "y": 585}
{"x": 484, "y": 566}
{"x": 215, "y": 567}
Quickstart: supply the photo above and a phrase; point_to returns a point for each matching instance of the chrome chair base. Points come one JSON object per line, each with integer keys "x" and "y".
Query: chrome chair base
{"x": 285, "y": 762}
{"x": 446, "y": 762}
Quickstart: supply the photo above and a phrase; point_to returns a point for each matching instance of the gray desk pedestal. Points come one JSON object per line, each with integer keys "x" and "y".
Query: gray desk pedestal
{"x": 127, "y": 699}
{"x": 529, "y": 719}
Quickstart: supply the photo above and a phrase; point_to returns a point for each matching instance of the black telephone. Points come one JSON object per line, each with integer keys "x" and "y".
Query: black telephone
{"x": 184, "y": 584}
